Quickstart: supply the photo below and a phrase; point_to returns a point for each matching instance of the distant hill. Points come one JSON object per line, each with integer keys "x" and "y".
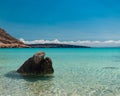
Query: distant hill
{"x": 7, "y": 41}
{"x": 52, "y": 45}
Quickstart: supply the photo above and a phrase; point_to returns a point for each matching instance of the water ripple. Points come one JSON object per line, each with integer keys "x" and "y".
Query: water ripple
{"x": 31, "y": 78}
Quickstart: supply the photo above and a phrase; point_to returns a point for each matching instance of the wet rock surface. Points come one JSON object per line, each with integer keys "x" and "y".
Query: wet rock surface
{"x": 37, "y": 65}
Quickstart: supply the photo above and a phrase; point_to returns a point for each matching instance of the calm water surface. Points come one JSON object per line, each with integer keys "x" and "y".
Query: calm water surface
{"x": 78, "y": 72}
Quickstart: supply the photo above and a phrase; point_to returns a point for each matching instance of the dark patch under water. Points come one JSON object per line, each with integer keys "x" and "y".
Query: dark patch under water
{"x": 116, "y": 59}
{"x": 110, "y": 68}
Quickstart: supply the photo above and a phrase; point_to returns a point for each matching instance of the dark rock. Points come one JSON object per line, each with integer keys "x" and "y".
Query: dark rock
{"x": 37, "y": 65}
{"x": 38, "y": 57}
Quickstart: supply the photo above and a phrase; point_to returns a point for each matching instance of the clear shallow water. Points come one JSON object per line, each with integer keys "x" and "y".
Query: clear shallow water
{"x": 78, "y": 72}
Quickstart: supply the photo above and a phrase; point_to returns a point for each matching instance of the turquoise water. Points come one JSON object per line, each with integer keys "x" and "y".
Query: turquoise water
{"x": 78, "y": 72}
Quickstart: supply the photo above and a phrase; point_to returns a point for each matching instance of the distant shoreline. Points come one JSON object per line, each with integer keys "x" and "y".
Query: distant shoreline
{"x": 53, "y": 45}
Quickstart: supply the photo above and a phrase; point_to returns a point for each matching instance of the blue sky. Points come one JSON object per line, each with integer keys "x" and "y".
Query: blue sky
{"x": 66, "y": 20}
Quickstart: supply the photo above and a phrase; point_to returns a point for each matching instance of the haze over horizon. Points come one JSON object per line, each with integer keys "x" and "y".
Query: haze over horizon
{"x": 63, "y": 20}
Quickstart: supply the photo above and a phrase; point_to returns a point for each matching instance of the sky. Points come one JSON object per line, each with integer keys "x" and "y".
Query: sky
{"x": 62, "y": 20}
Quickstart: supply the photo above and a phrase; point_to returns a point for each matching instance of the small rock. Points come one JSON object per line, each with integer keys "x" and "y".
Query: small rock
{"x": 37, "y": 65}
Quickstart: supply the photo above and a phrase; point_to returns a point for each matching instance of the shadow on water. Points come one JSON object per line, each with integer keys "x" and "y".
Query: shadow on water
{"x": 30, "y": 78}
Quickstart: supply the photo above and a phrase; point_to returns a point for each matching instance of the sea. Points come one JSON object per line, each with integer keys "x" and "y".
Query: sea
{"x": 77, "y": 72}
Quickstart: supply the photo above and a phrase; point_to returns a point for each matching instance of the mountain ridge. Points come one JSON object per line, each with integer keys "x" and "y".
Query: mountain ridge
{"x": 7, "y": 41}
{"x": 55, "y": 45}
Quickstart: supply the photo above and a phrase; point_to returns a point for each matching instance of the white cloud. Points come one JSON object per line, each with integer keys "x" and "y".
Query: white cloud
{"x": 107, "y": 43}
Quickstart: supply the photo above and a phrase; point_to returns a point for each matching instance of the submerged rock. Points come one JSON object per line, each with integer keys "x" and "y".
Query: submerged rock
{"x": 37, "y": 65}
